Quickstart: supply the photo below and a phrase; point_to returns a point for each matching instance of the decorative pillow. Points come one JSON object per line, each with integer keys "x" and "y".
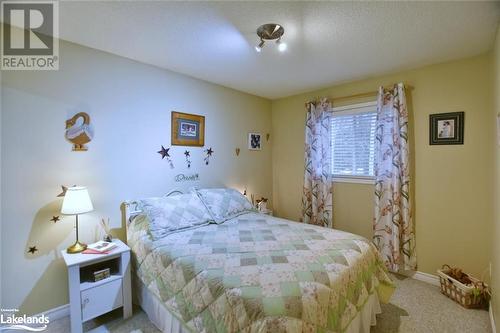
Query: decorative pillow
{"x": 169, "y": 214}
{"x": 224, "y": 203}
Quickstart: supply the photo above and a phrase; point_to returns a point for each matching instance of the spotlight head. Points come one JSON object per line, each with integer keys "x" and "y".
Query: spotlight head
{"x": 258, "y": 48}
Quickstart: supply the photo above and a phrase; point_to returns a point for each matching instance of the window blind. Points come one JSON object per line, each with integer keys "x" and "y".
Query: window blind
{"x": 353, "y": 142}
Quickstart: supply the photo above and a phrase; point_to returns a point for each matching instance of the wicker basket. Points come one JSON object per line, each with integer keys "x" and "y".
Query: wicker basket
{"x": 461, "y": 293}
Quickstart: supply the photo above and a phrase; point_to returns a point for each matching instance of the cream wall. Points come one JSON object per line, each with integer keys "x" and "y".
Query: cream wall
{"x": 452, "y": 184}
{"x": 495, "y": 283}
{"x": 1, "y": 288}
{"x": 129, "y": 104}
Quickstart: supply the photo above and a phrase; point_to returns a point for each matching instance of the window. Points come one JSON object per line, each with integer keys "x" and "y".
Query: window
{"x": 353, "y": 142}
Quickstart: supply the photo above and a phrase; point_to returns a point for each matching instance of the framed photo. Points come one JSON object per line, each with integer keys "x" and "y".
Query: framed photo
{"x": 254, "y": 141}
{"x": 446, "y": 128}
{"x": 188, "y": 129}
{"x": 498, "y": 129}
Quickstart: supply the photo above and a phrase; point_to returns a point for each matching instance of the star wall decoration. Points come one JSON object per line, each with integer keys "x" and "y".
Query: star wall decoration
{"x": 63, "y": 193}
{"x": 164, "y": 152}
{"x": 32, "y": 249}
{"x": 188, "y": 158}
{"x": 64, "y": 189}
{"x": 209, "y": 152}
{"x": 55, "y": 218}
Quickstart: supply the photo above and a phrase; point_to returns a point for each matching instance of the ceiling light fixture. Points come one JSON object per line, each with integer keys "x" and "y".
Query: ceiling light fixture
{"x": 269, "y": 32}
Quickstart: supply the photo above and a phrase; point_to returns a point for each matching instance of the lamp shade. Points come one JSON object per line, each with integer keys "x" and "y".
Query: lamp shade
{"x": 76, "y": 201}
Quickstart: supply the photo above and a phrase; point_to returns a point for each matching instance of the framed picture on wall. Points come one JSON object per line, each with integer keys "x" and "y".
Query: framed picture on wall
{"x": 187, "y": 129}
{"x": 446, "y": 128}
{"x": 254, "y": 141}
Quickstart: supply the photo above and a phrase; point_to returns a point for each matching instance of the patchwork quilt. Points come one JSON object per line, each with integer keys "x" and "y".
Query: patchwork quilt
{"x": 257, "y": 273}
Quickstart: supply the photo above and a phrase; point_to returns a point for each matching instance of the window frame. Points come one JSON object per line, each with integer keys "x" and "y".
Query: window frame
{"x": 348, "y": 110}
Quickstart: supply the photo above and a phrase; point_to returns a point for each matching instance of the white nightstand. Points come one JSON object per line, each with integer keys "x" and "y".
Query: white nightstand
{"x": 91, "y": 299}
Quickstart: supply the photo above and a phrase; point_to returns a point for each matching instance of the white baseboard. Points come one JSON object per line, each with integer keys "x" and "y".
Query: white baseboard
{"x": 56, "y": 313}
{"x": 492, "y": 320}
{"x": 424, "y": 277}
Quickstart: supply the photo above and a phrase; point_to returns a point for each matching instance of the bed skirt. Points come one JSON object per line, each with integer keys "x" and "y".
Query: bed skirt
{"x": 163, "y": 319}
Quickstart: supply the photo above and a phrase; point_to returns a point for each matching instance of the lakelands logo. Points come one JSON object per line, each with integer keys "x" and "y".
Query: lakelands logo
{"x": 9, "y": 321}
{"x": 30, "y": 35}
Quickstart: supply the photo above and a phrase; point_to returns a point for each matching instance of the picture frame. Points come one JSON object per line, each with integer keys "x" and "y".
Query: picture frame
{"x": 498, "y": 129}
{"x": 187, "y": 129}
{"x": 446, "y": 128}
{"x": 254, "y": 141}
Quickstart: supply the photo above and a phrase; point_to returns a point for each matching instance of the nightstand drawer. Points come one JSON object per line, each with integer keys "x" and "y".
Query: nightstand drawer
{"x": 101, "y": 299}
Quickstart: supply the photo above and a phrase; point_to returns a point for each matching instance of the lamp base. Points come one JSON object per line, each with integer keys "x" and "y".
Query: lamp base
{"x": 77, "y": 247}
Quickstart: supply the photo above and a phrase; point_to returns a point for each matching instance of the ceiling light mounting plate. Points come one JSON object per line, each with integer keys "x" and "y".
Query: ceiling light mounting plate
{"x": 270, "y": 31}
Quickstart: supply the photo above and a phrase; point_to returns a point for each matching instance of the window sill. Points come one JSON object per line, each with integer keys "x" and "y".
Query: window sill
{"x": 354, "y": 180}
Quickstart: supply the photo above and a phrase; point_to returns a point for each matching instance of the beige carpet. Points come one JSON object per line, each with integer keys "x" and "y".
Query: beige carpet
{"x": 419, "y": 307}
{"x": 415, "y": 307}
{"x": 112, "y": 322}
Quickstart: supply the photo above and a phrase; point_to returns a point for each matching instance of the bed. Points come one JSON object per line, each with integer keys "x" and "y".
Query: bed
{"x": 256, "y": 273}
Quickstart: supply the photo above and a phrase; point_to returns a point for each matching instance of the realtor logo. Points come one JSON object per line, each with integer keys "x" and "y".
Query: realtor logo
{"x": 30, "y": 35}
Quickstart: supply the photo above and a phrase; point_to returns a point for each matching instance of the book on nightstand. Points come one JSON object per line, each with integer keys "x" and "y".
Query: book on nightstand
{"x": 101, "y": 247}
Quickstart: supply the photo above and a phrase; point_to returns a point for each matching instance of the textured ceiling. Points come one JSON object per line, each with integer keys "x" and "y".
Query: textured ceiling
{"x": 328, "y": 42}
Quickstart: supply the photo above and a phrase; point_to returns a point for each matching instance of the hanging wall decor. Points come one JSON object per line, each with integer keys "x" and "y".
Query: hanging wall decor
{"x": 446, "y": 128}
{"x": 188, "y": 158}
{"x": 254, "y": 141}
{"x": 187, "y": 178}
{"x": 237, "y": 151}
{"x": 187, "y": 129}
{"x": 64, "y": 189}
{"x": 63, "y": 193}
{"x": 209, "y": 152}
{"x": 164, "y": 153}
{"x": 79, "y": 133}
{"x": 55, "y": 219}
{"x": 32, "y": 249}
{"x": 268, "y": 136}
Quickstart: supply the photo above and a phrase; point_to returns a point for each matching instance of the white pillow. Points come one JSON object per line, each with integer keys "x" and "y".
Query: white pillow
{"x": 224, "y": 203}
{"x": 169, "y": 214}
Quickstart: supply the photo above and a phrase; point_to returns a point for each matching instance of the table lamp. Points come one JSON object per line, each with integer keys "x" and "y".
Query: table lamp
{"x": 76, "y": 201}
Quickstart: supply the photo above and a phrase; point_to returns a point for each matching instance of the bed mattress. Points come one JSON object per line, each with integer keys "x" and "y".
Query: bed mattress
{"x": 257, "y": 273}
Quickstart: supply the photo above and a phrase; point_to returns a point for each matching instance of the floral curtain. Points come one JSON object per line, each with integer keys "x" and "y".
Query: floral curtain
{"x": 317, "y": 192}
{"x": 393, "y": 226}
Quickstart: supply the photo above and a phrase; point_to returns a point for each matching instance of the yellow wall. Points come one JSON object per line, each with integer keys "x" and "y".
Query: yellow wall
{"x": 452, "y": 184}
{"x": 495, "y": 283}
{"x": 130, "y": 106}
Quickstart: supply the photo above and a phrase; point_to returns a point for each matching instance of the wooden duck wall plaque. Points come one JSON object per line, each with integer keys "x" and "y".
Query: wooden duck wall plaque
{"x": 81, "y": 133}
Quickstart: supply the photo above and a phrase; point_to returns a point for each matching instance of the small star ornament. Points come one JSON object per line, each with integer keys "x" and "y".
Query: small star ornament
{"x": 32, "y": 249}
{"x": 164, "y": 153}
{"x": 63, "y": 193}
{"x": 209, "y": 152}
{"x": 64, "y": 189}
{"x": 55, "y": 219}
{"x": 188, "y": 158}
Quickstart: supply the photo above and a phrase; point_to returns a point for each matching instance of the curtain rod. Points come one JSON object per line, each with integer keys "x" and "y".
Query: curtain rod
{"x": 364, "y": 94}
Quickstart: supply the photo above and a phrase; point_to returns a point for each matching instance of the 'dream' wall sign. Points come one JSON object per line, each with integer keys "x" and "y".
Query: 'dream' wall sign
{"x": 187, "y": 178}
